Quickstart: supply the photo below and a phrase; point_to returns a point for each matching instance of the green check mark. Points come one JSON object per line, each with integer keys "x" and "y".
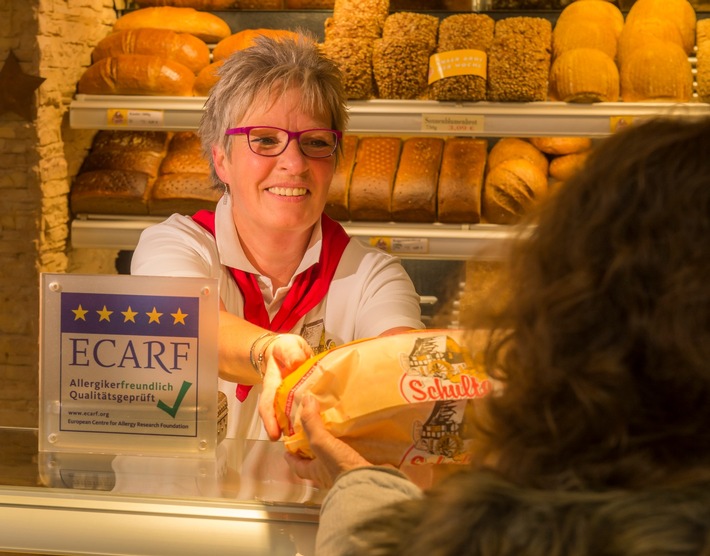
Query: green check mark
{"x": 172, "y": 411}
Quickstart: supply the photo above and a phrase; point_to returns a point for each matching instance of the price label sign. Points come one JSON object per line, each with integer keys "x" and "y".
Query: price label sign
{"x": 128, "y": 364}
{"x": 453, "y": 123}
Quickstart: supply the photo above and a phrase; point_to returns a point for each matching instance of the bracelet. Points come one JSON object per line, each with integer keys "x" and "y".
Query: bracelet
{"x": 262, "y": 353}
{"x": 252, "y": 358}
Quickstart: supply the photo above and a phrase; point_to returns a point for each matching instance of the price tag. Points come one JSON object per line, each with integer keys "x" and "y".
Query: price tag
{"x": 401, "y": 245}
{"x": 120, "y": 117}
{"x": 452, "y": 123}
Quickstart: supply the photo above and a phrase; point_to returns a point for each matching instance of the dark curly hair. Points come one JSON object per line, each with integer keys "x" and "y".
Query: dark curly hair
{"x": 603, "y": 348}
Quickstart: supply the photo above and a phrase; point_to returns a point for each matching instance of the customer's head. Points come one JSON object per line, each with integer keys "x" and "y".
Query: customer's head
{"x": 261, "y": 74}
{"x": 604, "y": 348}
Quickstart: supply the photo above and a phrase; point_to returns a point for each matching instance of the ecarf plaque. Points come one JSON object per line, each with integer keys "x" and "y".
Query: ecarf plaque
{"x": 128, "y": 364}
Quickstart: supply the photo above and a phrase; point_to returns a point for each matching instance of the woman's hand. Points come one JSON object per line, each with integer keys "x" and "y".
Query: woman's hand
{"x": 283, "y": 356}
{"x": 332, "y": 456}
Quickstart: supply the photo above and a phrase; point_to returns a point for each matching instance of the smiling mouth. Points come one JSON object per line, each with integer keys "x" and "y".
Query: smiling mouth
{"x": 288, "y": 191}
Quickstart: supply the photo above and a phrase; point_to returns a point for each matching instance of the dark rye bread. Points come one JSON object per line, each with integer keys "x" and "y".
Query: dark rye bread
{"x": 373, "y": 178}
{"x": 415, "y": 184}
{"x": 110, "y": 192}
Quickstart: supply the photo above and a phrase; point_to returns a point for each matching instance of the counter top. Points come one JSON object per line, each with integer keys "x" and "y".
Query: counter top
{"x": 245, "y": 500}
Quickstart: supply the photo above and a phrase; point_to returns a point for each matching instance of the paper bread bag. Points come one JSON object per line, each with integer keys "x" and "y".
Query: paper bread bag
{"x": 399, "y": 400}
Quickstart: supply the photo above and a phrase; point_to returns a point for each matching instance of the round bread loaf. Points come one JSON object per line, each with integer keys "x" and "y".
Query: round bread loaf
{"x": 637, "y": 33}
{"x": 511, "y": 189}
{"x": 605, "y": 13}
{"x": 659, "y": 72}
{"x": 584, "y": 75}
{"x": 565, "y": 166}
{"x": 184, "y": 48}
{"x": 572, "y": 34}
{"x": 206, "y": 26}
{"x": 561, "y": 145}
{"x": 680, "y": 12}
{"x": 510, "y": 148}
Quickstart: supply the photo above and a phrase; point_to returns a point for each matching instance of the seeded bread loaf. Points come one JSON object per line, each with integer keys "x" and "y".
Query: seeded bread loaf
{"x": 182, "y": 193}
{"x": 354, "y": 58}
{"x": 185, "y": 155}
{"x": 415, "y": 184}
{"x": 337, "y": 206}
{"x": 373, "y": 178}
{"x": 461, "y": 180}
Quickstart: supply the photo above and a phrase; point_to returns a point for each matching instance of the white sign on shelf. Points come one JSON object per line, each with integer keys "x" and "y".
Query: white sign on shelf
{"x": 128, "y": 364}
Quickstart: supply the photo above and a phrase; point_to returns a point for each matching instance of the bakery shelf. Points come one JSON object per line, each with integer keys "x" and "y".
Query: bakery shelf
{"x": 396, "y": 116}
{"x": 410, "y": 241}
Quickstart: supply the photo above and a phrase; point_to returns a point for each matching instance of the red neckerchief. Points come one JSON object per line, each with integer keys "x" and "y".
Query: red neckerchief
{"x": 308, "y": 289}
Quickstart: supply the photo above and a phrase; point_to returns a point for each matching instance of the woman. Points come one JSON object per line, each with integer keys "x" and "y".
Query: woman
{"x": 271, "y": 129}
{"x": 599, "y": 441}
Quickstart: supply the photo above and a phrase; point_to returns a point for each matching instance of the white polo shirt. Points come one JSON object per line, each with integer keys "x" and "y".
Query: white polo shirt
{"x": 370, "y": 292}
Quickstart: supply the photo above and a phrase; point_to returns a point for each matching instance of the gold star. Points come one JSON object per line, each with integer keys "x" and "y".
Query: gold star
{"x": 129, "y": 315}
{"x": 104, "y": 314}
{"x": 154, "y": 316}
{"x": 179, "y": 316}
{"x": 79, "y": 313}
{"x": 17, "y": 88}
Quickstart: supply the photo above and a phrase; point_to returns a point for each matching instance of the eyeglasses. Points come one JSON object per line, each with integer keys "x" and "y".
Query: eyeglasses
{"x": 272, "y": 141}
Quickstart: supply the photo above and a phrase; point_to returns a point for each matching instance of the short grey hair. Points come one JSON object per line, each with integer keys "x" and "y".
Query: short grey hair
{"x": 272, "y": 65}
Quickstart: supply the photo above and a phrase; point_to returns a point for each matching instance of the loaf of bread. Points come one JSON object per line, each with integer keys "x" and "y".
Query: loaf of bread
{"x": 244, "y": 39}
{"x": 636, "y": 33}
{"x": 140, "y": 141}
{"x": 461, "y": 180}
{"x": 110, "y": 192}
{"x": 658, "y": 72}
{"x": 337, "y": 205}
{"x": 373, "y": 178}
{"x": 415, "y": 185}
{"x": 417, "y": 27}
{"x": 561, "y": 145}
{"x": 571, "y": 34}
{"x": 565, "y": 166}
{"x": 602, "y": 12}
{"x": 519, "y": 60}
{"x": 510, "y": 148}
{"x": 206, "y": 79}
{"x": 196, "y": 4}
{"x": 204, "y": 25}
{"x": 511, "y": 189}
{"x": 463, "y": 32}
{"x": 361, "y": 18}
{"x": 184, "y": 48}
{"x": 680, "y": 12}
{"x": 182, "y": 193}
{"x": 400, "y": 68}
{"x": 137, "y": 74}
{"x": 122, "y": 159}
{"x": 185, "y": 155}
{"x": 584, "y": 75}
{"x": 354, "y": 58}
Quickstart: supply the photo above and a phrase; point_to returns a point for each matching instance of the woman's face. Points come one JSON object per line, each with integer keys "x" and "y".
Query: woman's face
{"x": 285, "y": 193}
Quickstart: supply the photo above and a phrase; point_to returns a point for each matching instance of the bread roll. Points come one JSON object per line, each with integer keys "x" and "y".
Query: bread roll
{"x": 565, "y": 166}
{"x": 510, "y": 148}
{"x": 184, "y": 48}
{"x": 584, "y": 75}
{"x": 561, "y": 145}
{"x": 136, "y": 74}
{"x": 519, "y": 60}
{"x": 244, "y": 39}
{"x": 337, "y": 206}
{"x": 461, "y": 180}
{"x": 415, "y": 184}
{"x": 206, "y": 79}
{"x": 511, "y": 189}
{"x": 373, "y": 178}
{"x": 182, "y": 193}
{"x": 110, "y": 192}
{"x": 206, "y": 26}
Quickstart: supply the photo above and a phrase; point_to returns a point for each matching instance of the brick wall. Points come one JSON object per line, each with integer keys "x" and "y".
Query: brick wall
{"x": 52, "y": 39}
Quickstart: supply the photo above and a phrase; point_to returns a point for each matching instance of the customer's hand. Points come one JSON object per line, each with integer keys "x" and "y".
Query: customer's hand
{"x": 332, "y": 456}
{"x": 283, "y": 356}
